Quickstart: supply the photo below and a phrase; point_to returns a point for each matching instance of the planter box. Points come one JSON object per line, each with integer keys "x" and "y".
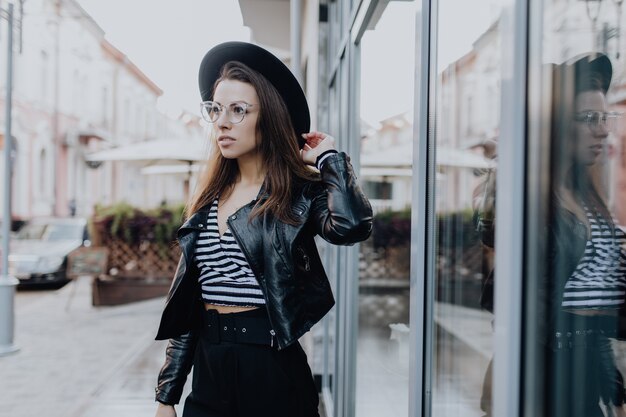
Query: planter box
{"x": 109, "y": 291}
{"x": 134, "y": 273}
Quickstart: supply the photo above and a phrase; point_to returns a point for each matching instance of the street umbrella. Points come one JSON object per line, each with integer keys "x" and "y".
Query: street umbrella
{"x": 156, "y": 152}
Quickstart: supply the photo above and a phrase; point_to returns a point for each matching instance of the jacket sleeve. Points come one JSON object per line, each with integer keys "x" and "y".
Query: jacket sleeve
{"x": 178, "y": 361}
{"x": 340, "y": 211}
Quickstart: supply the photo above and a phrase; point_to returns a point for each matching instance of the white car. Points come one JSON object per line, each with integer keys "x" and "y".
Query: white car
{"x": 38, "y": 251}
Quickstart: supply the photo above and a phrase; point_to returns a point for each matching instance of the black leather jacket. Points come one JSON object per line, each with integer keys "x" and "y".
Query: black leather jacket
{"x": 284, "y": 259}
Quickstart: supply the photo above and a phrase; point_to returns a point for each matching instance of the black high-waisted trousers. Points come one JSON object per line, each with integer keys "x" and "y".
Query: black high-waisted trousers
{"x": 232, "y": 379}
{"x": 581, "y": 370}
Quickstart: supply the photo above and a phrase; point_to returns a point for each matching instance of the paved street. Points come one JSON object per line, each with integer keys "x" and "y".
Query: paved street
{"x": 76, "y": 360}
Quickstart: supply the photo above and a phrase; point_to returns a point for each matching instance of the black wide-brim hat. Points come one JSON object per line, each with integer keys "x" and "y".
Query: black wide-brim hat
{"x": 589, "y": 65}
{"x": 268, "y": 65}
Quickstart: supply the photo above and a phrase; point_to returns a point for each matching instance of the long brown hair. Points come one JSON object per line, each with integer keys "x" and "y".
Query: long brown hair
{"x": 573, "y": 183}
{"x": 279, "y": 152}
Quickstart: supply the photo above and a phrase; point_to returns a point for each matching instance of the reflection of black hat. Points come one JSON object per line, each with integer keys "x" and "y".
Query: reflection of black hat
{"x": 590, "y": 65}
{"x": 267, "y": 65}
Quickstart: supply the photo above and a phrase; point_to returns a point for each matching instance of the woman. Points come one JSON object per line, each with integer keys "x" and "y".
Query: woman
{"x": 586, "y": 278}
{"x": 250, "y": 281}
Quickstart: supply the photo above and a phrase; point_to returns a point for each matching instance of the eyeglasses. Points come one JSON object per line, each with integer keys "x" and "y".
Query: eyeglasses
{"x": 212, "y": 110}
{"x": 597, "y": 120}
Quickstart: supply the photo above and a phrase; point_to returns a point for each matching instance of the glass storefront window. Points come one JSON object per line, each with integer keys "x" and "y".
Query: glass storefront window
{"x": 330, "y": 350}
{"x": 575, "y": 355}
{"x": 386, "y": 120}
{"x": 464, "y": 139}
{"x": 334, "y": 14}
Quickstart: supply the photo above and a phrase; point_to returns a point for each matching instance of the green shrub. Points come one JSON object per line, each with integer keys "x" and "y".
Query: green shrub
{"x": 135, "y": 226}
{"x": 393, "y": 228}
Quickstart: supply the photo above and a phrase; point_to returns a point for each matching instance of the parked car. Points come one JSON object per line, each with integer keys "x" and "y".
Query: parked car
{"x": 39, "y": 251}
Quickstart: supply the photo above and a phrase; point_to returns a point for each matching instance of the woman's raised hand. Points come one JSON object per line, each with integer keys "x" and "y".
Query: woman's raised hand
{"x": 316, "y": 144}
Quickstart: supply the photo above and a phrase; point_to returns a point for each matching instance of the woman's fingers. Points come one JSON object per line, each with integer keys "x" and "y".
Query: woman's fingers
{"x": 316, "y": 143}
{"x": 314, "y": 138}
{"x": 315, "y": 133}
{"x": 311, "y": 140}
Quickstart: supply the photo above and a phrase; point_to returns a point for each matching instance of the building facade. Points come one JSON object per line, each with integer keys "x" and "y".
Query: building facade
{"x": 448, "y": 110}
{"x": 75, "y": 93}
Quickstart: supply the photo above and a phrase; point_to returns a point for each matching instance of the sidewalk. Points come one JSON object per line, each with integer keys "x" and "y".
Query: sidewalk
{"x": 76, "y": 360}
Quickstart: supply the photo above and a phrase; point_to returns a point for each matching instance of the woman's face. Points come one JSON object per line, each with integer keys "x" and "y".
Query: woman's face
{"x": 589, "y": 137}
{"x": 237, "y": 140}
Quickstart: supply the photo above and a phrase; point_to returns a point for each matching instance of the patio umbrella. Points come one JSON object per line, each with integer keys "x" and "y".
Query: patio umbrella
{"x": 167, "y": 150}
{"x": 157, "y": 152}
{"x": 401, "y": 156}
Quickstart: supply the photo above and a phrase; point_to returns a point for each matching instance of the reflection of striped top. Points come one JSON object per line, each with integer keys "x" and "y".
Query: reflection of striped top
{"x": 225, "y": 276}
{"x": 599, "y": 280}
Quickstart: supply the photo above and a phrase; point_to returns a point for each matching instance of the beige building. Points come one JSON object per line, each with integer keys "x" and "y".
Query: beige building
{"x": 75, "y": 93}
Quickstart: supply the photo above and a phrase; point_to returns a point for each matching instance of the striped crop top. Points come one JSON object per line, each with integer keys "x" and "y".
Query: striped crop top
{"x": 225, "y": 275}
{"x": 599, "y": 280}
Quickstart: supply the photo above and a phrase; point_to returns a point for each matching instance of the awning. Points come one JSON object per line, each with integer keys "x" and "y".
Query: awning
{"x": 168, "y": 150}
{"x": 170, "y": 169}
{"x": 385, "y": 172}
{"x": 401, "y": 156}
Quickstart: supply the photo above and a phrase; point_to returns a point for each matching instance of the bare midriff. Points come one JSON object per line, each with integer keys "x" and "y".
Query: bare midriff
{"x": 591, "y": 312}
{"x": 227, "y": 309}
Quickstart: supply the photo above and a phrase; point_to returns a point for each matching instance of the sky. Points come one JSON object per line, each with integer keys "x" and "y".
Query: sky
{"x": 387, "y": 53}
{"x": 167, "y": 39}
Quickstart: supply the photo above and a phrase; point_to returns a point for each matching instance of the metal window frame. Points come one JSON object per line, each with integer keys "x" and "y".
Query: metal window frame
{"x": 341, "y": 400}
{"x": 344, "y": 78}
{"x": 422, "y": 204}
{"x": 353, "y": 59}
{"x": 510, "y": 200}
{"x": 336, "y": 394}
{"x": 510, "y": 206}
{"x": 537, "y": 188}
{"x": 330, "y": 254}
{"x": 344, "y": 399}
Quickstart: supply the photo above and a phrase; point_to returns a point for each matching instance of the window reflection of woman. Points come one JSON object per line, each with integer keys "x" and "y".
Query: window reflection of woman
{"x": 586, "y": 267}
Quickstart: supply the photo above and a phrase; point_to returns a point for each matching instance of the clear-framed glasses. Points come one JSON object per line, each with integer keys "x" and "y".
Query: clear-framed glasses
{"x": 598, "y": 120}
{"x": 212, "y": 110}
